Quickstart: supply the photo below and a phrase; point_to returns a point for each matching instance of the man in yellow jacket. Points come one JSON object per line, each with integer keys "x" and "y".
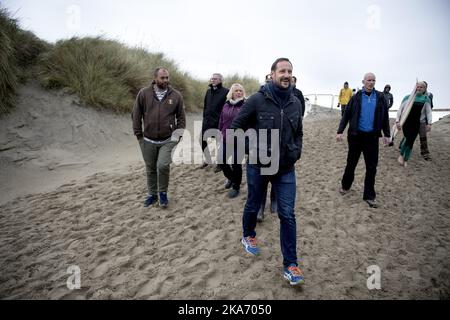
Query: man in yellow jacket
{"x": 344, "y": 97}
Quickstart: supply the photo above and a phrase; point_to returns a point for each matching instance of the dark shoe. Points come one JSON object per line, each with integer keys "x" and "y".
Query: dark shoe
{"x": 233, "y": 193}
{"x": 372, "y": 203}
{"x": 217, "y": 169}
{"x": 228, "y": 184}
{"x": 391, "y": 144}
{"x": 203, "y": 166}
{"x": 152, "y": 199}
{"x": 426, "y": 157}
{"x": 343, "y": 192}
{"x": 163, "y": 201}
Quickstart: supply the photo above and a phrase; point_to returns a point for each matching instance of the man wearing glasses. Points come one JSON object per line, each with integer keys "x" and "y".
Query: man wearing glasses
{"x": 215, "y": 99}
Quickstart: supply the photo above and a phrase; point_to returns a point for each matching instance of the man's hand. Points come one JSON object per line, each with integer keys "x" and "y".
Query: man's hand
{"x": 428, "y": 127}
{"x": 339, "y": 137}
{"x": 386, "y": 140}
{"x": 399, "y": 127}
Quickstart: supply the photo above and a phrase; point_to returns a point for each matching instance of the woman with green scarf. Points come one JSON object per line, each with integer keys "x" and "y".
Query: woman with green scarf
{"x": 420, "y": 112}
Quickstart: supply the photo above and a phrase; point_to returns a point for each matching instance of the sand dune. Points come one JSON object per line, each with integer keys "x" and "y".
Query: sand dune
{"x": 192, "y": 249}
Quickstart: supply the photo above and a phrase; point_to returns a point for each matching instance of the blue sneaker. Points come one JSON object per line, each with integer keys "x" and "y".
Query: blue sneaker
{"x": 163, "y": 201}
{"x": 150, "y": 200}
{"x": 294, "y": 275}
{"x": 250, "y": 245}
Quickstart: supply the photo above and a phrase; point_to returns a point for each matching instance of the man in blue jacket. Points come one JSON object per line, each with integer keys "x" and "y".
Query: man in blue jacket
{"x": 274, "y": 109}
{"x": 367, "y": 113}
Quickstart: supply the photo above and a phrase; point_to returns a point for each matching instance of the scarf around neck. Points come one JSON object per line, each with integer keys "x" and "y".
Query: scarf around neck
{"x": 420, "y": 98}
{"x": 235, "y": 102}
{"x": 279, "y": 94}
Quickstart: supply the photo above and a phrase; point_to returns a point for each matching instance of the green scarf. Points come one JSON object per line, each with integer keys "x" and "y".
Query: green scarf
{"x": 421, "y": 98}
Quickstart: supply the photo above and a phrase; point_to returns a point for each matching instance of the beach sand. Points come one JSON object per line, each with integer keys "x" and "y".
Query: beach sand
{"x": 89, "y": 213}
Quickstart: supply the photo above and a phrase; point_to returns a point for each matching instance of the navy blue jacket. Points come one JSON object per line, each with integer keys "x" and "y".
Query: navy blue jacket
{"x": 353, "y": 112}
{"x": 300, "y": 97}
{"x": 261, "y": 111}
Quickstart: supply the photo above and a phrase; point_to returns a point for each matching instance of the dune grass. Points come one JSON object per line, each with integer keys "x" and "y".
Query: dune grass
{"x": 19, "y": 52}
{"x": 108, "y": 75}
{"x": 251, "y": 85}
{"x": 103, "y": 73}
{"x": 8, "y": 73}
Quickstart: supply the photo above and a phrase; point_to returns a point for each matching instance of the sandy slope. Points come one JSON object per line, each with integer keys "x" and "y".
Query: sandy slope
{"x": 192, "y": 249}
{"x": 50, "y": 139}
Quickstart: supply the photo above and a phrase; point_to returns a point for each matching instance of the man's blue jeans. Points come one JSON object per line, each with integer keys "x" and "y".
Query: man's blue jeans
{"x": 284, "y": 185}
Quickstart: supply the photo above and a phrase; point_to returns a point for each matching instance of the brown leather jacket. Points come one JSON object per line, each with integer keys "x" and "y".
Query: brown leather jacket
{"x": 161, "y": 118}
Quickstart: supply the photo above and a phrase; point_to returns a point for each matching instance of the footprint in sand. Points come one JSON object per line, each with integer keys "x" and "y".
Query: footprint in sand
{"x": 213, "y": 279}
{"x": 197, "y": 264}
{"x": 100, "y": 270}
{"x": 213, "y": 235}
{"x": 159, "y": 285}
{"x": 310, "y": 228}
{"x": 254, "y": 296}
{"x": 166, "y": 285}
{"x": 169, "y": 245}
{"x": 138, "y": 250}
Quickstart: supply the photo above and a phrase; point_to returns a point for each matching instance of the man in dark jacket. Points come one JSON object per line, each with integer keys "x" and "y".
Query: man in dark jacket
{"x": 215, "y": 98}
{"x": 298, "y": 94}
{"x": 390, "y": 102}
{"x": 367, "y": 113}
{"x": 388, "y": 96}
{"x": 274, "y": 109}
{"x": 161, "y": 108}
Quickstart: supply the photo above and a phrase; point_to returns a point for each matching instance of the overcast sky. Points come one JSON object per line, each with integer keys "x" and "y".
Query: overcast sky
{"x": 328, "y": 42}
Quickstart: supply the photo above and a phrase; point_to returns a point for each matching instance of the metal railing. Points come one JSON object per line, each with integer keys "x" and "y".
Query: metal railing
{"x": 334, "y": 97}
{"x": 433, "y": 110}
{"x": 316, "y": 95}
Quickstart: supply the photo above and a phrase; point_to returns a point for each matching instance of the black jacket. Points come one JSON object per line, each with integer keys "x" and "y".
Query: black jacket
{"x": 261, "y": 111}
{"x": 300, "y": 97}
{"x": 389, "y": 98}
{"x": 353, "y": 112}
{"x": 213, "y": 104}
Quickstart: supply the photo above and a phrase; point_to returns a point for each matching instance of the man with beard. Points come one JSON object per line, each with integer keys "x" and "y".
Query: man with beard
{"x": 161, "y": 108}
{"x": 274, "y": 109}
